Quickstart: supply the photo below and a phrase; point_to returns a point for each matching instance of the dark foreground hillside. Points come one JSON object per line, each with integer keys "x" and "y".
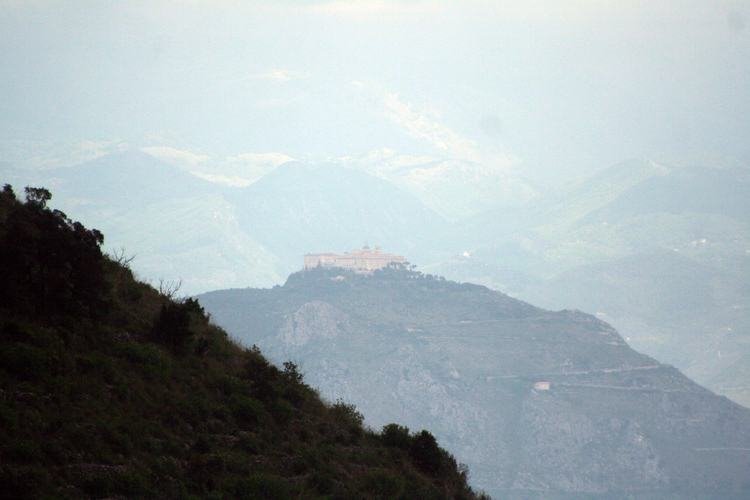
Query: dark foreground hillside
{"x": 110, "y": 388}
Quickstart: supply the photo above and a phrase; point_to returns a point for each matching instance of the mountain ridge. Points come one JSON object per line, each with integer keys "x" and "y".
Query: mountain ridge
{"x": 466, "y": 359}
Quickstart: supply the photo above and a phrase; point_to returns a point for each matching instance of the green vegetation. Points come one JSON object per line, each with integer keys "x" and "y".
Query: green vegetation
{"x": 110, "y": 388}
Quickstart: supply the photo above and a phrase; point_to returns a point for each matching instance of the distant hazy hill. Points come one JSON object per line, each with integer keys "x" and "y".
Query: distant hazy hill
{"x": 681, "y": 311}
{"x": 669, "y": 265}
{"x": 464, "y": 360}
{"x": 212, "y": 236}
{"x": 129, "y": 178}
{"x": 300, "y": 208}
{"x": 660, "y": 252}
{"x": 178, "y": 226}
{"x": 722, "y": 191}
{"x": 456, "y": 189}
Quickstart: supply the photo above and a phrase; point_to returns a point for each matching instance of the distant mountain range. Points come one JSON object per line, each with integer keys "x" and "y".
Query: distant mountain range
{"x": 183, "y": 227}
{"x": 212, "y": 236}
{"x": 662, "y": 253}
{"x": 539, "y": 404}
{"x": 456, "y": 189}
{"x": 299, "y": 208}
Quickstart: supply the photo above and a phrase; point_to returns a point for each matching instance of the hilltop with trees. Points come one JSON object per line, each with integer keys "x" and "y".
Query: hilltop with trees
{"x": 538, "y": 403}
{"x": 110, "y": 387}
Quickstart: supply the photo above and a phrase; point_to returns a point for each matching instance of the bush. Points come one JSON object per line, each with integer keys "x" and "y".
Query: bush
{"x": 249, "y": 443}
{"x": 347, "y": 414}
{"x": 24, "y": 361}
{"x": 24, "y": 482}
{"x": 396, "y": 435}
{"x": 382, "y": 484}
{"x": 261, "y": 374}
{"x": 97, "y": 365}
{"x": 24, "y": 451}
{"x": 246, "y": 410}
{"x": 294, "y": 389}
{"x": 14, "y": 332}
{"x": 323, "y": 481}
{"x": 173, "y": 324}
{"x": 282, "y": 411}
{"x": 151, "y": 360}
{"x": 267, "y": 486}
{"x": 102, "y": 481}
{"x": 291, "y": 372}
{"x": 425, "y": 453}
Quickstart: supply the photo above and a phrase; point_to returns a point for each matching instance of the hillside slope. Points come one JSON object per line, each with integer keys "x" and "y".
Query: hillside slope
{"x": 472, "y": 364}
{"x": 661, "y": 253}
{"x": 109, "y": 388}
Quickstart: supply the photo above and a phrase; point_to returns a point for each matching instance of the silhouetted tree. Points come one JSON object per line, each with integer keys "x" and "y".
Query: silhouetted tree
{"x": 49, "y": 264}
{"x": 426, "y": 453}
{"x": 261, "y": 375}
{"x": 173, "y": 324}
{"x": 37, "y": 197}
{"x": 291, "y": 372}
{"x": 396, "y": 435}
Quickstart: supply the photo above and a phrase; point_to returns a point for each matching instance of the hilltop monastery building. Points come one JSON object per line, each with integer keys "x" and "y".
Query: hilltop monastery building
{"x": 363, "y": 260}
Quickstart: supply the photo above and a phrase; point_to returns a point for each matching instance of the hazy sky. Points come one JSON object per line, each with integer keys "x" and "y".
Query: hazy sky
{"x": 552, "y": 90}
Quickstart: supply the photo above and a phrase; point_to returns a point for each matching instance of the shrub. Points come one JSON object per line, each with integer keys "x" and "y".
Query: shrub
{"x": 396, "y": 435}
{"x": 96, "y": 364}
{"x": 323, "y": 481}
{"x": 24, "y": 482}
{"x": 151, "y": 360}
{"x": 282, "y": 411}
{"x": 24, "y": 451}
{"x": 261, "y": 374}
{"x": 101, "y": 481}
{"x": 291, "y": 372}
{"x": 346, "y": 413}
{"x": 293, "y": 390}
{"x": 249, "y": 443}
{"x": 259, "y": 485}
{"x": 382, "y": 484}
{"x": 246, "y": 410}
{"x": 24, "y": 361}
{"x": 173, "y": 324}
{"x": 201, "y": 445}
{"x": 228, "y": 384}
{"x": 14, "y": 332}
{"x": 425, "y": 453}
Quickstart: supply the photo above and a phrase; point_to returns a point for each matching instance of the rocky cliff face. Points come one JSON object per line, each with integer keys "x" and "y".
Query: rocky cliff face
{"x": 463, "y": 361}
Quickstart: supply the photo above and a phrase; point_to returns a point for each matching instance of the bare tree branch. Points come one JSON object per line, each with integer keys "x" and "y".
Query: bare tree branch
{"x": 119, "y": 256}
{"x": 169, "y": 288}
